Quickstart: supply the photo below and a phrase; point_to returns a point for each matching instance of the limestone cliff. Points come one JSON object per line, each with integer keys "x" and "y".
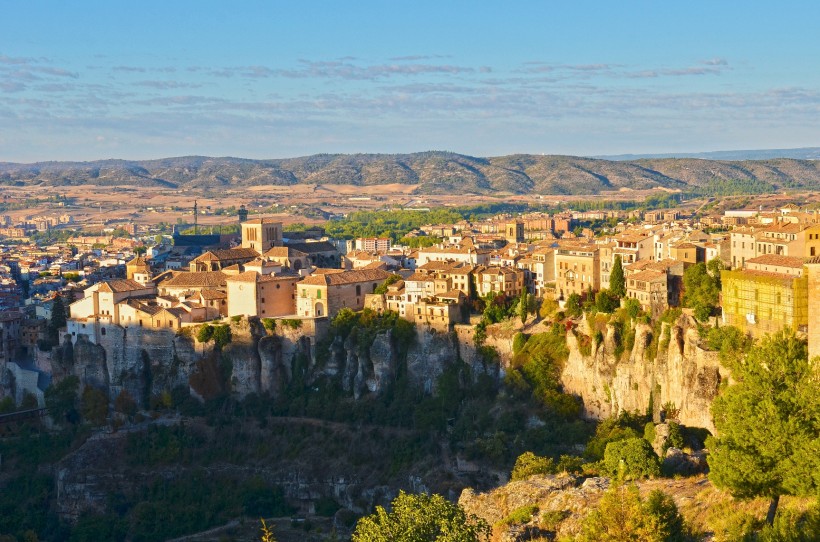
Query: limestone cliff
{"x": 682, "y": 374}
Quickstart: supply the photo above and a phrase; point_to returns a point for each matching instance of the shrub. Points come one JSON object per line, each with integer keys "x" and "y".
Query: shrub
{"x": 205, "y": 333}
{"x": 529, "y": 464}
{"x": 675, "y": 439}
{"x": 632, "y": 458}
{"x": 518, "y": 343}
{"x": 94, "y": 406}
{"x": 622, "y": 514}
{"x": 573, "y": 306}
{"x": 269, "y": 324}
{"x": 292, "y": 323}
{"x": 222, "y": 336}
{"x": 520, "y": 515}
{"x": 633, "y": 307}
{"x": 649, "y": 432}
{"x": 125, "y": 404}
{"x": 570, "y": 464}
{"x": 606, "y": 301}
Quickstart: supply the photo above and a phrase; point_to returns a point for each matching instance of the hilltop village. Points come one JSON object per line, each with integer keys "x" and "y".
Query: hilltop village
{"x": 766, "y": 263}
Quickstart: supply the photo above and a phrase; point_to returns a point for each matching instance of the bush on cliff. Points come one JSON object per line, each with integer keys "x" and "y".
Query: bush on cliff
{"x": 417, "y": 518}
{"x": 623, "y": 515}
{"x": 631, "y": 459}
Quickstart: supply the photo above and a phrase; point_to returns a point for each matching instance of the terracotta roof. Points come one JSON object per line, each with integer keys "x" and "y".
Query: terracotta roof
{"x": 144, "y": 307}
{"x": 348, "y": 277}
{"x": 419, "y": 277}
{"x": 139, "y": 260}
{"x": 207, "y": 293}
{"x": 247, "y": 276}
{"x": 686, "y": 245}
{"x": 754, "y": 273}
{"x": 120, "y": 285}
{"x": 776, "y": 260}
{"x": 648, "y": 276}
{"x": 284, "y": 252}
{"x": 327, "y": 270}
{"x": 197, "y": 279}
{"x": 227, "y": 254}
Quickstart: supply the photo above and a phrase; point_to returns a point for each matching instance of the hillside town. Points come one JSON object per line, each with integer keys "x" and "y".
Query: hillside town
{"x": 767, "y": 263}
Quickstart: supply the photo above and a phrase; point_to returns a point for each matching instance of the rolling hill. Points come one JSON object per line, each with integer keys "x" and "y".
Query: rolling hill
{"x": 431, "y": 172}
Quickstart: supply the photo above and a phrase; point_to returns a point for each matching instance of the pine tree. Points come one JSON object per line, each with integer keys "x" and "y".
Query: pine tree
{"x": 617, "y": 283}
{"x": 768, "y": 424}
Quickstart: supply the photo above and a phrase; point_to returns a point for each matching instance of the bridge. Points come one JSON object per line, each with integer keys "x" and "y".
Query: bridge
{"x": 22, "y": 415}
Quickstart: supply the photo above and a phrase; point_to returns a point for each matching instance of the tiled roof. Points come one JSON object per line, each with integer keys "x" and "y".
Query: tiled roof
{"x": 207, "y": 293}
{"x": 197, "y": 279}
{"x": 754, "y": 273}
{"x": 347, "y": 277}
{"x": 648, "y": 276}
{"x": 284, "y": 252}
{"x": 776, "y": 260}
{"x": 227, "y": 254}
{"x": 120, "y": 285}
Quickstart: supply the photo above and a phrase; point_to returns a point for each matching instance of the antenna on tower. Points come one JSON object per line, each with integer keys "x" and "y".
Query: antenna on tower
{"x": 196, "y": 232}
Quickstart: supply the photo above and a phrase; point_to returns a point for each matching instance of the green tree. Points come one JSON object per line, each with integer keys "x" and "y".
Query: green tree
{"x": 606, "y": 301}
{"x": 125, "y": 403}
{"x": 700, "y": 291}
{"x": 714, "y": 267}
{"x": 94, "y": 406}
{"x": 529, "y": 464}
{"x": 631, "y": 458}
{"x": 573, "y": 306}
{"x": 768, "y": 425}
{"x": 205, "y": 333}
{"x": 623, "y": 516}
{"x": 420, "y": 518}
{"x": 58, "y": 319}
{"x": 61, "y": 400}
{"x": 522, "y": 306}
{"x": 382, "y": 288}
{"x": 617, "y": 282}
{"x": 222, "y": 336}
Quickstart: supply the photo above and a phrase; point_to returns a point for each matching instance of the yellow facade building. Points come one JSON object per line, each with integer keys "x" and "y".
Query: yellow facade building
{"x": 760, "y": 302}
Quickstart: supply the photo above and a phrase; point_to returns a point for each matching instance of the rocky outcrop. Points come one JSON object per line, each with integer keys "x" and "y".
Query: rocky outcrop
{"x": 683, "y": 375}
{"x": 146, "y": 362}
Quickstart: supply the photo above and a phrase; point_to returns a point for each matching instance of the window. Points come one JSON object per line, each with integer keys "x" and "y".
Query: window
{"x": 358, "y": 289}
{"x": 318, "y": 294}
{"x": 102, "y": 331}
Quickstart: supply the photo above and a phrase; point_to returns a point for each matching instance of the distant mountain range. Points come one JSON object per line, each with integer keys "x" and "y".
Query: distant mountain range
{"x": 433, "y": 173}
{"x": 805, "y": 153}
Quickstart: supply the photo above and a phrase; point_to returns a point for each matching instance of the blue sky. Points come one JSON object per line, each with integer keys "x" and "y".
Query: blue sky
{"x": 90, "y": 80}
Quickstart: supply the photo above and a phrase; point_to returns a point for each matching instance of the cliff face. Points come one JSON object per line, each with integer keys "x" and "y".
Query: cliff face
{"x": 144, "y": 362}
{"x": 682, "y": 375}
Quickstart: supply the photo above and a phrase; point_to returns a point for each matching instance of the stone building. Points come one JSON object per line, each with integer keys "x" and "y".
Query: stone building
{"x": 761, "y": 302}
{"x": 325, "y": 294}
{"x": 254, "y": 294}
{"x": 261, "y": 234}
{"x": 577, "y": 270}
